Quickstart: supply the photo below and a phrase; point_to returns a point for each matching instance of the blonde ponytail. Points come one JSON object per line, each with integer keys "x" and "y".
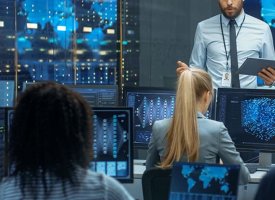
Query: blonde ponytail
{"x": 182, "y": 137}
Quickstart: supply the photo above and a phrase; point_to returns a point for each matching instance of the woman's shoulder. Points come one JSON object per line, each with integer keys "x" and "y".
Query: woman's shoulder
{"x": 207, "y": 126}
{"x": 210, "y": 122}
{"x": 164, "y": 123}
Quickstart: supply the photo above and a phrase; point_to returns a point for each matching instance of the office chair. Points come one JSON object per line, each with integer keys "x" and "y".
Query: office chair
{"x": 156, "y": 184}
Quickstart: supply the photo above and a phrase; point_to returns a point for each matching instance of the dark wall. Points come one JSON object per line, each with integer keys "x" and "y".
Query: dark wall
{"x": 167, "y": 31}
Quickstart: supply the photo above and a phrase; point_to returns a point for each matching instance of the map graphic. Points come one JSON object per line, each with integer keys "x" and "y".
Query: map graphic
{"x": 206, "y": 176}
{"x": 200, "y": 181}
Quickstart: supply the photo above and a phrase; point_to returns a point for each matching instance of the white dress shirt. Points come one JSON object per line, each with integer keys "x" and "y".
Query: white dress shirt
{"x": 254, "y": 39}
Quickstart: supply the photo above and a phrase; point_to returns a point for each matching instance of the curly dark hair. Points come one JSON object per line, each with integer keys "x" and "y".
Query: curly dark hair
{"x": 50, "y": 136}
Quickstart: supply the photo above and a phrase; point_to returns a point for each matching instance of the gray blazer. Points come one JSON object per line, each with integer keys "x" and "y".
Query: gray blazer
{"x": 214, "y": 141}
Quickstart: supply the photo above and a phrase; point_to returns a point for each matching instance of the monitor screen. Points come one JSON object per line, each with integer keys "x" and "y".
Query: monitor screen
{"x": 249, "y": 115}
{"x": 96, "y": 95}
{"x": 2, "y": 141}
{"x": 6, "y": 93}
{"x": 151, "y": 104}
{"x": 112, "y": 142}
{"x": 204, "y": 181}
{"x": 6, "y": 116}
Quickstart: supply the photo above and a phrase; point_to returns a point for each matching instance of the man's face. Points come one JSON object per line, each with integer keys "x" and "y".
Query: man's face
{"x": 231, "y": 8}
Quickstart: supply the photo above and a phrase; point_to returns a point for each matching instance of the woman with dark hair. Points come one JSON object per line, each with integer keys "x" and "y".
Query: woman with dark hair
{"x": 50, "y": 142}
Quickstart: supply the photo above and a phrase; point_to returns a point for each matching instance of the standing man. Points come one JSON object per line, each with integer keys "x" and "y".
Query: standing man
{"x": 212, "y": 46}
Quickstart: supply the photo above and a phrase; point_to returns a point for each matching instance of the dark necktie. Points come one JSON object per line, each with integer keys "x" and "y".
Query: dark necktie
{"x": 233, "y": 55}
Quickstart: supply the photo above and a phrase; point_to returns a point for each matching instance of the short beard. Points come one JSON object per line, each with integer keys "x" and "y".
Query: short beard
{"x": 233, "y": 16}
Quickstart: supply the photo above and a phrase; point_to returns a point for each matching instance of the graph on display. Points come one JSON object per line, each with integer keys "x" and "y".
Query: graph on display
{"x": 112, "y": 142}
{"x": 249, "y": 115}
{"x": 6, "y": 93}
{"x": 151, "y": 104}
{"x": 258, "y": 117}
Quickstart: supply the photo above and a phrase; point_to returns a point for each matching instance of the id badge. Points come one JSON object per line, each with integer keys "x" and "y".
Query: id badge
{"x": 226, "y": 79}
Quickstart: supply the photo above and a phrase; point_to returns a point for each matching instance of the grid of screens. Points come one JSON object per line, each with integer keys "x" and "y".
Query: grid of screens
{"x": 96, "y": 95}
{"x": 249, "y": 115}
{"x": 204, "y": 181}
{"x": 151, "y": 104}
{"x": 60, "y": 40}
{"x": 112, "y": 142}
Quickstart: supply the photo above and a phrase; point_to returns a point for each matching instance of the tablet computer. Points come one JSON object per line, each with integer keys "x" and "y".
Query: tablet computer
{"x": 252, "y": 66}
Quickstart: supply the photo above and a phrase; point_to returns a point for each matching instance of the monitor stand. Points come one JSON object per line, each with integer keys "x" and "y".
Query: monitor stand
{"x": 140, "y": 154}
{"x": 265, "y": 161}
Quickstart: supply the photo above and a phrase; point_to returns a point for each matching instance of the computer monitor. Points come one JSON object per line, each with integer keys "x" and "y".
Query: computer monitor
{"x": 112, "y": 142}
{"x": 2, "y": 142}
{"x": 249, "y": 115}
{"x": 6, "y": 93}
{"x": 151, "y": 104}
{"x": 6, "y": 116}
{"x": 204, "y": 181}
{"x": 112, "y": 150}
{"x": 96, "y": 95}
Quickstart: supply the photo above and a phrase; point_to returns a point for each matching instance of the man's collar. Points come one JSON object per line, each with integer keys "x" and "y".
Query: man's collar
{"x": 200, "y": 115}
{"x": 238, "y": 19}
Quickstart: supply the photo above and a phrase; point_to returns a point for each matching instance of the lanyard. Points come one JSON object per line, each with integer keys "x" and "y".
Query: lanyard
{"x": 227, "y": 53}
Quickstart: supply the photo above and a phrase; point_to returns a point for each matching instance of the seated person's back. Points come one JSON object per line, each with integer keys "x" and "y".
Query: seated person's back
{"x": 266, "y": 187}
{"x": 50, "y": 147}
{"x": 189, "y": 136}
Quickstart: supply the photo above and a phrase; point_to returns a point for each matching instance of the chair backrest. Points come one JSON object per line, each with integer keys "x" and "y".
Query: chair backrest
{"x": 156, "y": 184}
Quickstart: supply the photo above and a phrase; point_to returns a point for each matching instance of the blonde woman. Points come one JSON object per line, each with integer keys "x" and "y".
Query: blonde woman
{"x": 189, "y": 135}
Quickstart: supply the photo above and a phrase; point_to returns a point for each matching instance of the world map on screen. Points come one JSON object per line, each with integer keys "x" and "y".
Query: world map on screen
{"x": 206, "y": 176}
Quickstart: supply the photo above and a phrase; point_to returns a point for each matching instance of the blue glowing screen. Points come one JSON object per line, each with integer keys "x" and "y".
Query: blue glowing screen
{"x": 112, "y": 142}
{"x": 151, "y": 104}
{"x": 249, "y": 115}
{"x": 6, "y": 93}
{"x": 258, "y": 117}
{"x": 204, "y": 181}
{"x": 61, "y": 40}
